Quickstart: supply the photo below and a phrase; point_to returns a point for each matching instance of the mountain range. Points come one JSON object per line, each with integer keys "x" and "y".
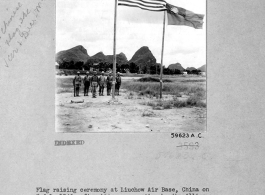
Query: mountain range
{"x": 76, "y": 54}
{"x": 143, "y": 57}
{"x": 202, "y": 68}
{"x": 176, "y": 66}
{"x": 101, "y": 57}
{"x": 191, "y": 68}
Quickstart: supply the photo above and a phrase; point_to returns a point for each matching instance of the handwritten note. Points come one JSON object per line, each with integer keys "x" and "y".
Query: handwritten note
{"x": 17, "y": 28}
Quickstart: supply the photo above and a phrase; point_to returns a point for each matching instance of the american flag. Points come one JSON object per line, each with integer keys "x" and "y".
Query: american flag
{"x": 150, "y": 5}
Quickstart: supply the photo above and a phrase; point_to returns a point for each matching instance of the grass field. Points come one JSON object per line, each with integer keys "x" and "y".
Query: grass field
{"x": 193, "y": 88}
{"x": 137, "y": 109}
{"x": 64, "y": 85}
{"x": 185, "y": 91}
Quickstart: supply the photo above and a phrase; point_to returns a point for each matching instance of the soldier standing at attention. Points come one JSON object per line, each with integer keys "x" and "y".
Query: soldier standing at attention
{"x": 109, "y": 83}
{"x": 86, "y": 83}
{"x": 118, "y": 84}
{"x": 74, "y": 86}
{"x": 102, "y": 83}
{"x": 94, "y": 83}
{"x": 77, "y": 83}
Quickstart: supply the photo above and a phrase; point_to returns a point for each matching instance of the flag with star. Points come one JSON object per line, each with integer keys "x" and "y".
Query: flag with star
{"x": 180, "y": 16}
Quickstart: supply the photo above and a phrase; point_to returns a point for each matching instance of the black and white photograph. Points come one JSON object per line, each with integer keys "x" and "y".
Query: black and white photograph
{"x": 155, "y": 83}
{"x": 142, "y": 97}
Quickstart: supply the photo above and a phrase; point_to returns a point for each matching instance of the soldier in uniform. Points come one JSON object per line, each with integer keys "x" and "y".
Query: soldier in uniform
{"x": 86, "y": 83}
{"x": 94, "y": 83}
{"x": 118, "y": 84}
{"x": 74, "y": 86}
{"x": 109, "y": 83}
{"x": 102, "y": 83}
{"x": 77, "y": 83}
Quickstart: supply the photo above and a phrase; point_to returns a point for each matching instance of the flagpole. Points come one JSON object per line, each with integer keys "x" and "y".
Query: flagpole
{"x": 114, "y": 52}
{"x": 162, "y": 54}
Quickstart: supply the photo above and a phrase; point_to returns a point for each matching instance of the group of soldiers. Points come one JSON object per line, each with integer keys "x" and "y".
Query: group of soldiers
{"x": 96, "y": 81}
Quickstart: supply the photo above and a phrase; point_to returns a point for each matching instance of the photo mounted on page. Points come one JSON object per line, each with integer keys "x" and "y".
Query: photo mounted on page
{"x": 130, "y": 66}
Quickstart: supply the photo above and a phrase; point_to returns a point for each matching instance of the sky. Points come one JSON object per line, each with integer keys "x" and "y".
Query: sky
{"x": 91, "y": 23}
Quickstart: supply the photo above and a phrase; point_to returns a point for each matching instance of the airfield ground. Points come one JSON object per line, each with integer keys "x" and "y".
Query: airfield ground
{"x": 130, "y": 112}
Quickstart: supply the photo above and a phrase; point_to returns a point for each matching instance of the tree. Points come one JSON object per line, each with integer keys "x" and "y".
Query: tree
{"x": 195, "y": 71}
{"x": 157, "y": 68}
{"x": 71, "y": 65}
{"x": 87, "y": 66}
{"x": 63, "y": 65}
{"x": 177, "y": 71}
{"x": 188, "y": 71}
{"x": 124, "y": 67}
{"x": 133, "y": 67}
{"x": 153, "y": 69}
{"x": 118, "y": 67}
{"x": 144, "y": 69}
{"x": 166, "y": 71}
{"x": 101, "y": 66}
{"x": 79, "y": 65}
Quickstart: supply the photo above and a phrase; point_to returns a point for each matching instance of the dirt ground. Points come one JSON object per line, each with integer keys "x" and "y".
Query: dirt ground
{"x": 123, "y": 115}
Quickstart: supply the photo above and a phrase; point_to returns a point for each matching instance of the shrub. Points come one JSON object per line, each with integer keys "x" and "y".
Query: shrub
{"x": 168, "y": 88}
{"x": 176, "y": 103}
{"x": 195, "y": 101}
{"x": 167, "y": 105}
{"x": 153, "y": 79}
{"x": 179, "y": 104}
{"x": 152, "y": 104}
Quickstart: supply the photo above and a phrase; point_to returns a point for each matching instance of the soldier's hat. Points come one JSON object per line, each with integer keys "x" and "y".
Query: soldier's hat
{"x": 87, "y": 72}
{"x": 119, "y": 73}
{"x": 78, "y": 72}
{"x": 102, "y": 72}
